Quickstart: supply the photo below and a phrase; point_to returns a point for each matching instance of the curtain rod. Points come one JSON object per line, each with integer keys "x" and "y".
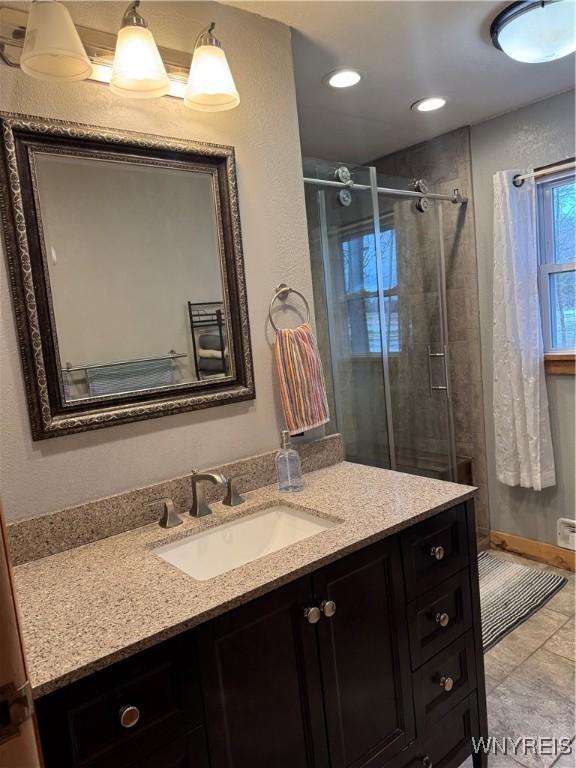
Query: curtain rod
{"x": 455, "y": 197}
{"x": 519, "y": 180}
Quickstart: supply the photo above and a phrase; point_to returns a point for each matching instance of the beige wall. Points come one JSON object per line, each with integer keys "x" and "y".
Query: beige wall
{"x": 42, "y": 476}
{"x": 539, "y": 134}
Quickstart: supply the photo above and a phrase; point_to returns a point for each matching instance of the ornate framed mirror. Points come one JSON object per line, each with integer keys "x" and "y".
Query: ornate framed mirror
{"x": 127, "y": 274}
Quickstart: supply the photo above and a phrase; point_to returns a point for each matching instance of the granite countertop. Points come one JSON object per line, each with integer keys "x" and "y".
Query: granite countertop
{"x": 90, "y": 606}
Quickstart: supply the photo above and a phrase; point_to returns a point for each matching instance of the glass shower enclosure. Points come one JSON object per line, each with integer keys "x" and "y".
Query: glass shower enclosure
{"x": 376, "y": 246}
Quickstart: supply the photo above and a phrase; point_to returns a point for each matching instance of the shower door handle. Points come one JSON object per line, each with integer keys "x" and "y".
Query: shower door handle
{"x": 432, "y": 387}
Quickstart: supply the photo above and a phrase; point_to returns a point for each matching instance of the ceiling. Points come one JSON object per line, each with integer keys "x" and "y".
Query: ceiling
{"x": 408, "y": 50}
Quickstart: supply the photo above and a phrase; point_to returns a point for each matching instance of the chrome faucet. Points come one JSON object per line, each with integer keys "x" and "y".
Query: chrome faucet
{"x": 199, "y": 504}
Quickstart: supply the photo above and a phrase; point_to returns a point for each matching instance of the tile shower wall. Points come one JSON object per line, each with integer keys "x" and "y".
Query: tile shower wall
{"x": 445, "y": 162}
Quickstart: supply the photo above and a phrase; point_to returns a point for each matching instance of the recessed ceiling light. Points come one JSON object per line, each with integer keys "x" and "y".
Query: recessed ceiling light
{"x": 428, "y": 105}
{"x": 343, "y": 78}
{"x": 535, "y": 31}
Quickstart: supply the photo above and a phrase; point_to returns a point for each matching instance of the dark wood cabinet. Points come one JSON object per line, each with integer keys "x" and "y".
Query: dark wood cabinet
{"x": 439, "y": 616}
{"x": 82, "y": 724}
{"x": 262, "y": 690}
{"x": 434, "y": 549}
{"x": 364, "y": 657}
{"x": 445, "y": 746}
{"x": 446, "y": 679}
{"x": 282, "y": 691}
{"x": 372, "y": 661}
{"x": 188, "y": 751}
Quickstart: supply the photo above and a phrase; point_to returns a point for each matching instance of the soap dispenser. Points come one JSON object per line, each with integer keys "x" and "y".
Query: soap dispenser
{"x": 288, "y": 467}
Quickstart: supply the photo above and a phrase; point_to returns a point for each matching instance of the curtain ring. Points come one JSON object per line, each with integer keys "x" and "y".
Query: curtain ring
{"x": 517, "y": 180}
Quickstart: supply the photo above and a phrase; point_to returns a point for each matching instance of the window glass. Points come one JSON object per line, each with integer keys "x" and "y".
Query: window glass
{"x": 557, "y": 226}
{"x": 563, "y": 310}
{"x": 388, "y": 251}
{"x": 564, "y": 222}
{"x": 360, "y": 277}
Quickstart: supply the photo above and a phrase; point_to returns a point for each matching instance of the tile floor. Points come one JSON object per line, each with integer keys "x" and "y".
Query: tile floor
{"x": 530, "y": 682}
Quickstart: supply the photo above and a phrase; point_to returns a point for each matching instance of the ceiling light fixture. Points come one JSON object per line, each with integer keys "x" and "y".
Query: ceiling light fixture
{"x": 138, "y": 71}
{"x": 428, "y": 105}
{"x": 343, "y": 78}
{"x": 536, "y": 31}
{"x": 52, "y": 46}
{"x": 211, "y": 87}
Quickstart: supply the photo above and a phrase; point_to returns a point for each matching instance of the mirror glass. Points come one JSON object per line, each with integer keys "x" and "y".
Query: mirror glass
{"x": 134, "y": 256}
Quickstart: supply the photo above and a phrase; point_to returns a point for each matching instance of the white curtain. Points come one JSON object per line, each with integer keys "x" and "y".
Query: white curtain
{"x": 524, "y": 454}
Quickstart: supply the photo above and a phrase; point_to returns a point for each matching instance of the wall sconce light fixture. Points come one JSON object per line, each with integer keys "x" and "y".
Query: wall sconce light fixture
{"x": 211, "y": 87}
{"x": 131, "y": 62}
{"x": 52, "y": 46}
{"x": 138, "y": 71}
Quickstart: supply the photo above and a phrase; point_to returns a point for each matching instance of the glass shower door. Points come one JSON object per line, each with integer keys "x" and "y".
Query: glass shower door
{"x": 346, "y": 297}
{"x": 418, "y": 364}
{"x": 379, "y": 294}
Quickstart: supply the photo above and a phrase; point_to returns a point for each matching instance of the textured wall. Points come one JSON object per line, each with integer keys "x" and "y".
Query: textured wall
{"x": 43, "y": 476}
{"x": 445, "y": 163}
{"x": 539, "y": 134}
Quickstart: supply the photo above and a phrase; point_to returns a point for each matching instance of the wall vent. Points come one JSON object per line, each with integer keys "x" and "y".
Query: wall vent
{"x": 566, "y": 533}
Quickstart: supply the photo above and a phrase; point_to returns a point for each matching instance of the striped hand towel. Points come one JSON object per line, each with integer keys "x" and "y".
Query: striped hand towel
{"x": 301, "y": 379}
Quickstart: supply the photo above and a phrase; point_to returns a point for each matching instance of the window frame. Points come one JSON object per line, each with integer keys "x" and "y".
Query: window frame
{"x": 360, "y": 229}
{"x": 547, "y": 266}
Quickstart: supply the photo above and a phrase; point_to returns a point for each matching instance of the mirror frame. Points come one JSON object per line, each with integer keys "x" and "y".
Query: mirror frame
{"x": 50, "y": 414}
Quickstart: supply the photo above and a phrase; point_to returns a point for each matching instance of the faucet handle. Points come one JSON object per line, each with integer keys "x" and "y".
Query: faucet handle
{"x": 169, "y": 517}
{"x": 232, "y": 497}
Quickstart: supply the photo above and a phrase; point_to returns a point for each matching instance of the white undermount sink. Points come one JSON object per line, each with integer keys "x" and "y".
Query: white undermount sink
{"x": 223, "y": 547}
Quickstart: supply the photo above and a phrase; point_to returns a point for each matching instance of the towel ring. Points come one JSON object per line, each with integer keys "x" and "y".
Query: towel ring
{"x": 282, "y": 291}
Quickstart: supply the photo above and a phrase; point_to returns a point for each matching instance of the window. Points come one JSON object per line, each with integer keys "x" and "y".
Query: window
{"x": 361, "y": 290}
{"x": 557, "y": 274}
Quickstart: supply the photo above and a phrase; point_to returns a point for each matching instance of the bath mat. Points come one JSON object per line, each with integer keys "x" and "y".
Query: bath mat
{"x": 510, "y": 593}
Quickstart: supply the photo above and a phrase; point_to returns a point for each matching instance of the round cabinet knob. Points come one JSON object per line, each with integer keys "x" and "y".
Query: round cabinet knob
{"x": 426, "y": 762}
{"x": 443, "y": 619}
{"x": 437, "y": 553}
{"x": 447, "y": 683}
{"x": 129, "y": 716}
{"x": 312, "y": 615}
{"x": 328, "y": 608}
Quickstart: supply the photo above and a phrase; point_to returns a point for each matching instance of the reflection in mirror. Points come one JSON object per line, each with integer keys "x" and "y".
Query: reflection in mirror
{"x": 135, "y": 272}
{"x": 127, "y": 274}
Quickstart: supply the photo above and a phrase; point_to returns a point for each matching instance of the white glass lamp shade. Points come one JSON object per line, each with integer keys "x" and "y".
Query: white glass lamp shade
{"x": 138, "y": 71}
{"x": 542, "y": 32}
{"x": 211, "y": 87}
{"x": 52, "y": 46}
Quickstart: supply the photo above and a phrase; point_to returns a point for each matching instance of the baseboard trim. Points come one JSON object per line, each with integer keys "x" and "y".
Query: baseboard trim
{"x": 534, "y": 550}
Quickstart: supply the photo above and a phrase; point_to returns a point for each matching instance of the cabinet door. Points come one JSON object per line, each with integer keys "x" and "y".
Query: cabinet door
{"x": 261, "y": 682}
{"x": 364, "y": 657}
{"x": 189, "y": 751}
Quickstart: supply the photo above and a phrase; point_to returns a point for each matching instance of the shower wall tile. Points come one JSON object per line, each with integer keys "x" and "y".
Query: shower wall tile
{"x": 445, "y": 163}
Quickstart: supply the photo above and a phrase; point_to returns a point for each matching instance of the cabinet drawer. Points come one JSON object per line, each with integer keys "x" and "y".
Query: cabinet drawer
{"x": 444, "y": 681}
{"x": 434, "y": 550}
{"x": 447, "y": 744}
{"x": 81, "y": 725}
{"x": 438, "y": 617}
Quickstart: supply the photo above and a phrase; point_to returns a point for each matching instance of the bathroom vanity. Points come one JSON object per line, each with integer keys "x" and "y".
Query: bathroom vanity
{"x": 358, "y": 646}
